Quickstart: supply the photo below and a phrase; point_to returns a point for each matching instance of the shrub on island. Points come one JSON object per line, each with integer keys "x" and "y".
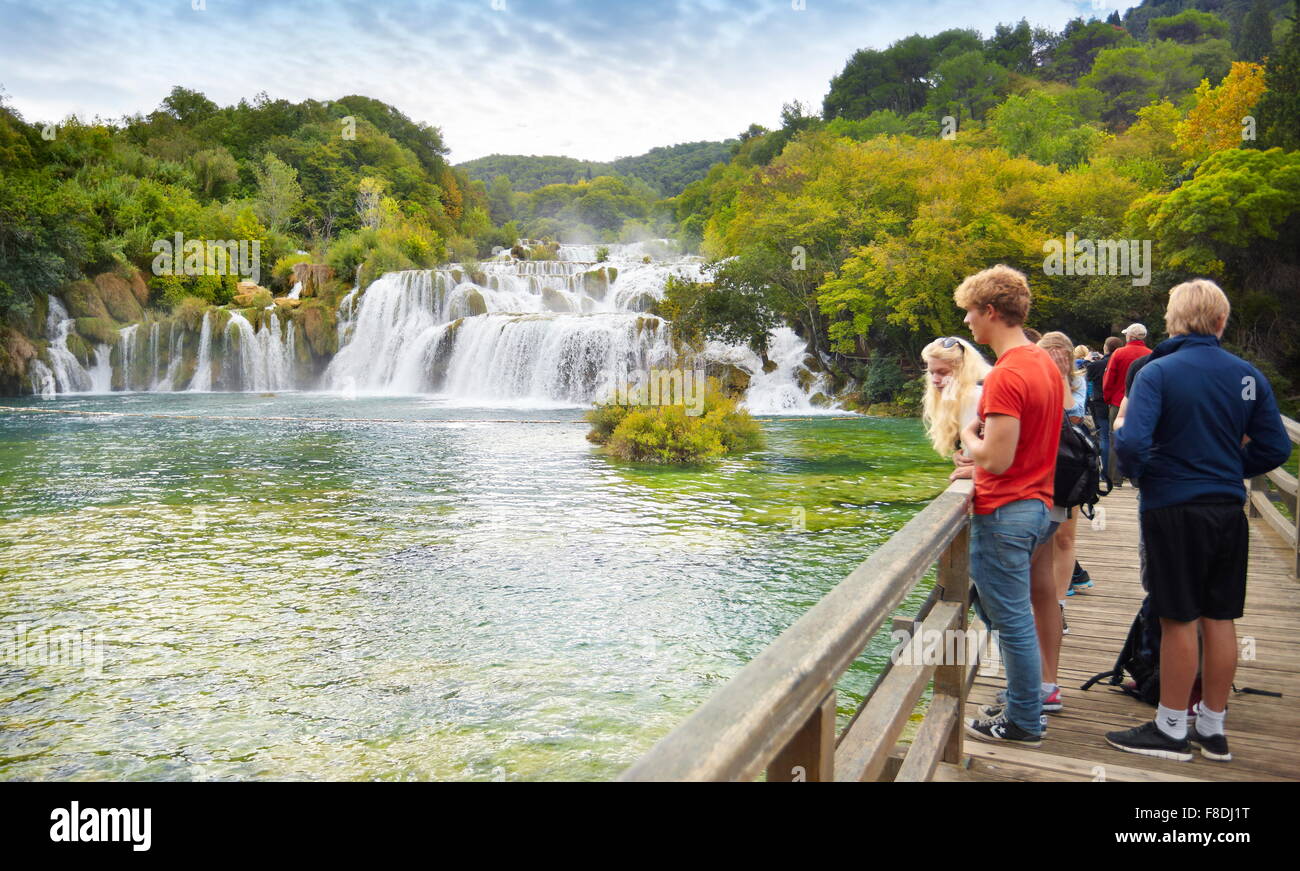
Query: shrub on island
{"x": 669, "y": 434}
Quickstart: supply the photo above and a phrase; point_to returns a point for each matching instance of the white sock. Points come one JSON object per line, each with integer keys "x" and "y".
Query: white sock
{"x": 1048, "y": 688}
{"x": 1172, "y": 721}
{"x": 1209, "y": 722}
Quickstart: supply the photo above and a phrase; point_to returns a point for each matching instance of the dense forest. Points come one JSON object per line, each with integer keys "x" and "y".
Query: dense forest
{"x": 666, "y": 169}
{"x": 1172, "y": 127}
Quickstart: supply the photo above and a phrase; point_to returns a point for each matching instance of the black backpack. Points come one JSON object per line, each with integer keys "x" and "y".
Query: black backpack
{"x": 1139, "y": 658}
{"x": 1080, "y": 474}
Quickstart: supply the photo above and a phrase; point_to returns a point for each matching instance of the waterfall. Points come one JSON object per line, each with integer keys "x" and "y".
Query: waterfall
{"x": 256, "y": 360}
{"x": 42, "y": 378}
{"x": 202, "y": 381}
{"x": 545, "y": 331}
{"x": 539, "y": 332}
{"x": 68, "y": 375}
{"x": 154, "y": 329}
{"x": 126, "y": 346}
{"x": 175, "y": 344}
{"x": 789, "y": 386}
{"x": 101, "y": 374}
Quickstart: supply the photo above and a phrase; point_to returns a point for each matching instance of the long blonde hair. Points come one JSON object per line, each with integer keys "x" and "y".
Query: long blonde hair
{"x": 942, "y": 407}
{"x": 1058, "y": 341}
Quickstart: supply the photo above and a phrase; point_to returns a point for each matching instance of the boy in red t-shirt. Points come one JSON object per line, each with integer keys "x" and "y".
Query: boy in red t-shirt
{"x": 1013, "y": 445}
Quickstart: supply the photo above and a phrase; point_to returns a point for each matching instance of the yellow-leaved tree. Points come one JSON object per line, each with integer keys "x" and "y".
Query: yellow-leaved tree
{"x": 1222, "y": 116}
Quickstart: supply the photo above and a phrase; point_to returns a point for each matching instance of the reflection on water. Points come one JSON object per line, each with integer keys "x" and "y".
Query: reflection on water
{"x": 456, "y": 600}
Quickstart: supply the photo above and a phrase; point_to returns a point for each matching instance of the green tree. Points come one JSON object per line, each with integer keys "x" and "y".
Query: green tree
{"x": 1189, "y": 26}
{"x": 1279, "y": 108}
{"x": 214, "y": 169}
{"x": 1256, "y": 40}
{"x": 967, "y": 86}
{"x": 278, "y": 192}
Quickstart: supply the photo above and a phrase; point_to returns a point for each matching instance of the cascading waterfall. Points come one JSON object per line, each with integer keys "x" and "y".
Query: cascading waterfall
{"x": 259, "y": 360}
{"x": 65, "y": 371}
{"x": 202, "y": 381}
{"x": 537, "y": 332}
{"x": 126, "y": 349}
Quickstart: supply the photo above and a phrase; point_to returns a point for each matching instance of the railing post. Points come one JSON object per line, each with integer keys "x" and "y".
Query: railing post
{"x": 950, "y": 677}
{"x": 810, "y": 755}
{"x": 1257, "y": 483}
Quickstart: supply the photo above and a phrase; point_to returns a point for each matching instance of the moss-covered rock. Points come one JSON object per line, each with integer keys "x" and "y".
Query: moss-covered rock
{"x": 98, "y": 330}
{"x": 769, "y": 366}
{"x": 887, "y": 409}
{"x": 642, "y": 302}
{"x": 119, "y": 298}
{"x": 79, "y": 348}
{"x": 313, "y": 276}
{"x": 319, "y": 326}
{"x": 16, "y": 352}
{"x": 595, "y": 283}
{"x": 474, "y": 304}
{"x": 250, "y": 295}
{"x": 140, "y": 287}
{"x": 555, "y": 301}
{"x": 83, "y": 300}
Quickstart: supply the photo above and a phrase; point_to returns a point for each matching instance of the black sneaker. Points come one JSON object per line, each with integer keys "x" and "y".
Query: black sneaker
{"x": 999, "y": 728}
{"x": 987, "y": 711}
{"x": 1148, "y": 740}
{"x": 1212, "y": 746}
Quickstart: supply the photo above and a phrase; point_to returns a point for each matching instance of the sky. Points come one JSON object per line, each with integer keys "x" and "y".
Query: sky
{"x": 592, "y": 79}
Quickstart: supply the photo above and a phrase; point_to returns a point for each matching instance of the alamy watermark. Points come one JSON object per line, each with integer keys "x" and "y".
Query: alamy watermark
{"x": 181, "y": 256}
{"x": 1099, "y": 257}
{"x": 25, "y": 647}
{"x": 947, "y": 647}
{"x": 660, "y": 387}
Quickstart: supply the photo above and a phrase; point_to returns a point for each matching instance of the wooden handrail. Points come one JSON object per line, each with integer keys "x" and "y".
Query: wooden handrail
{"x": 778, "y": 712}
{"x": 1263, "y": 498}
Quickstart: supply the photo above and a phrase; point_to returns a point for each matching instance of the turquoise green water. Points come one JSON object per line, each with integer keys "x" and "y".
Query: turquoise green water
{"x": 458, "y": 600}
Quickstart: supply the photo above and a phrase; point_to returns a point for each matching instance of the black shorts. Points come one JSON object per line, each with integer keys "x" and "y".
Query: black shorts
{"x": 1196, "y": 559}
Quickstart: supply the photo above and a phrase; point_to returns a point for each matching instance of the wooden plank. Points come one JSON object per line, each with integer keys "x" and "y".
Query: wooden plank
{"x": 931, "y": 740}
{"x": 810, "y": 755}
{"x": 861, "y": 752}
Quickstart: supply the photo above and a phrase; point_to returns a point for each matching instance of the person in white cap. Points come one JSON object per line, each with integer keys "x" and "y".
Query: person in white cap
{"x": 1112, "y": 385}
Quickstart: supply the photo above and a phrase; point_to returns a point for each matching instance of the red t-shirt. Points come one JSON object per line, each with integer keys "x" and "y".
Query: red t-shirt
{"x": 1112, "y": 383}
{"x": 1024, "y": 384}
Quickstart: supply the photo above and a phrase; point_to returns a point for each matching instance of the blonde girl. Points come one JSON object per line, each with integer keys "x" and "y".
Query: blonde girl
{"x": 954, "y": 370}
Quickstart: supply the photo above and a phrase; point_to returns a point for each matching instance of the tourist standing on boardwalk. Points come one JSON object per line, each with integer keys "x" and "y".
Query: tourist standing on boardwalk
{"x": 1097, "y": 407}
{"x": 1199, "y": 421}
{"x": 954, "y": 372}
{"x": 1112, "y": 386}
{"x": 1013, "y": 445}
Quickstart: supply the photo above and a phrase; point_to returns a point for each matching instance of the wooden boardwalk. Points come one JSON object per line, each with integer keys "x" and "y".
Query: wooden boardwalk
{"x": 1263, "y": 731}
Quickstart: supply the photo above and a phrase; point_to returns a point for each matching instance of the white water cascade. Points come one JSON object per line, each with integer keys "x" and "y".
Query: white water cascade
{"x": 257, "y": 360}
{"x": 65, "y": 372}
{"x": 537, "y": 333}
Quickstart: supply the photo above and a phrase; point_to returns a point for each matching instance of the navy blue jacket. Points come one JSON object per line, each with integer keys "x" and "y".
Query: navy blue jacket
{"x": 1188, "y": 410}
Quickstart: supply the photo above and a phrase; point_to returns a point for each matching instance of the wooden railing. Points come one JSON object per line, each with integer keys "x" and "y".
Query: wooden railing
{"x": 1264, "y": 499}
{"x": 778, "y": 714}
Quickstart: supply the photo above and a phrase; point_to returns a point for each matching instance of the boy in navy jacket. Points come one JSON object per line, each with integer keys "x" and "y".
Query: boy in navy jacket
{"x": 1199, "y": 420}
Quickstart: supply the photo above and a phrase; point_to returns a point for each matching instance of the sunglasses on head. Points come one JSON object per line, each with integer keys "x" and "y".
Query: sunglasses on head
{"x": 949, "y": 341}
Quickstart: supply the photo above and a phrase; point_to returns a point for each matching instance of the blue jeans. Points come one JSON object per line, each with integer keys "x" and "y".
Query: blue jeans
{"x": 1001, "y": 545}
{"x": 1103, "y": 438}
